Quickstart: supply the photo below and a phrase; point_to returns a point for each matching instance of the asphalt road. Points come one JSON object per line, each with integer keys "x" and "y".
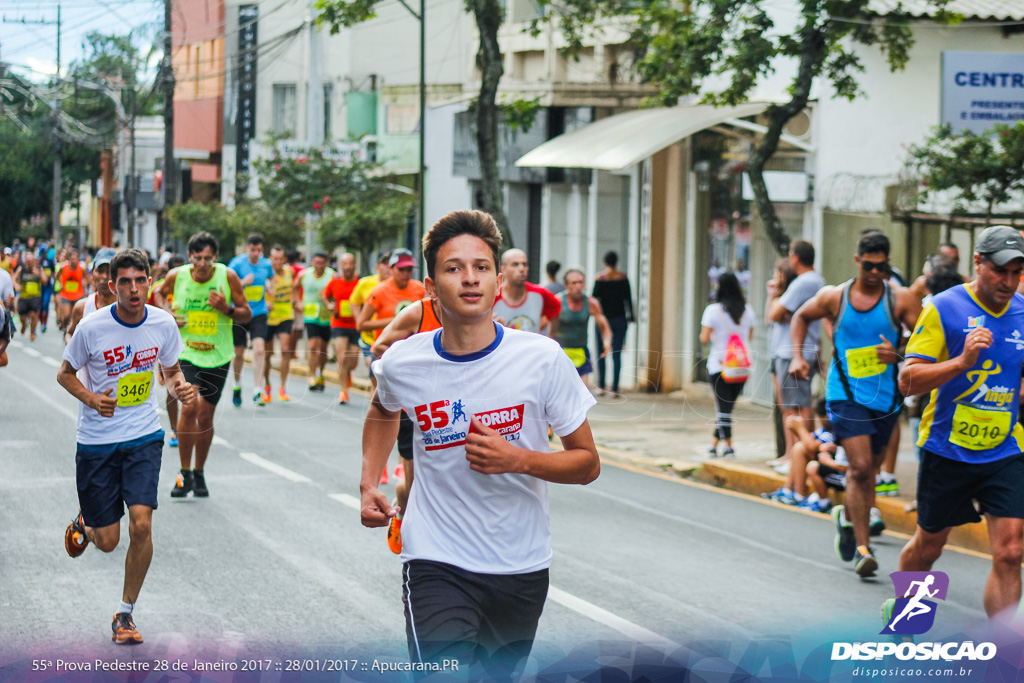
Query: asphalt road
{"x": 276, "y": 565}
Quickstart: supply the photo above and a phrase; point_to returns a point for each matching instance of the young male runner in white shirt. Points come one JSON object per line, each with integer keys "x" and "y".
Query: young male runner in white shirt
{"x": 477, "y": 542}
{"x": 119, "y": 437}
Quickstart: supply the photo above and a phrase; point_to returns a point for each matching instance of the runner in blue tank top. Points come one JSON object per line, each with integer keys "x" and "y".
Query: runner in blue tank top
{"x": 968, "y": 351}
{"x": 867, "y": 316}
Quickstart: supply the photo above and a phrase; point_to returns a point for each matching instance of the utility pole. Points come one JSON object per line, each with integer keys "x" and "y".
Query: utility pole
{"x": 170, "y": 180}
{"x": 422, "y": 218}
{"x": 315, "y": 93}
{"x": 55, "y": 208}
{"x": 130, "y": 188}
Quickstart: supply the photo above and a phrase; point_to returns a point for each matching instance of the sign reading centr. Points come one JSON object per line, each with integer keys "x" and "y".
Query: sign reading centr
{"x": 981, "y": 89}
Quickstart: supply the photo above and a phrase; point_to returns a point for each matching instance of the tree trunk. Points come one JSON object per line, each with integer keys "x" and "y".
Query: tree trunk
{"x": 778, "y": 116}
{"x": 489, "y": 14}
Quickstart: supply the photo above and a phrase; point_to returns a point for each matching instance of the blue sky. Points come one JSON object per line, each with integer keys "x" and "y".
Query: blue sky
{"x": 32, "y": 48}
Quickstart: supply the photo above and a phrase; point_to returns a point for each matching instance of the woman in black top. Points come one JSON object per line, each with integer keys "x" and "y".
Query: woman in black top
{"x": 613, "y": 293}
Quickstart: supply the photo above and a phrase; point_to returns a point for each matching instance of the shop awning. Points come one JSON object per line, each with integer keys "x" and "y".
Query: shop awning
{"x": 622, "y": 140}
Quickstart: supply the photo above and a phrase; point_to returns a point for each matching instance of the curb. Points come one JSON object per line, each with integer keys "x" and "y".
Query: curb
{"x": 753, "y": 480}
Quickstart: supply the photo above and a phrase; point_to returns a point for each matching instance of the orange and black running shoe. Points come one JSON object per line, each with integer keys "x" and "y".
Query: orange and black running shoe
{"x": 74, "y": 537}
{"x": 124, "y": 630}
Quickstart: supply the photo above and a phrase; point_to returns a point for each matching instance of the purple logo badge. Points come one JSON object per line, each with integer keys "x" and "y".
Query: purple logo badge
{"x": 913, "y": 611}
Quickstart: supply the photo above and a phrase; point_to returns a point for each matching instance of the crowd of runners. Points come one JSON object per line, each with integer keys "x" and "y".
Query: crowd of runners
{"x": 475, "y": 369}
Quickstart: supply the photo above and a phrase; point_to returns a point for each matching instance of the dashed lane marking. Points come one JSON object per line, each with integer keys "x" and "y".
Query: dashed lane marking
{"x": 274, "y": 467}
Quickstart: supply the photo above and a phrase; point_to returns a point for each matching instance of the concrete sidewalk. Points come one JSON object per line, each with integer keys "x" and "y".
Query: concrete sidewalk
{"x": 672, "y": 434}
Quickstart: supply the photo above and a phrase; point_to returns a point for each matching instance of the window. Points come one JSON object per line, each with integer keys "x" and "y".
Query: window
{"x": 285, "y": 109}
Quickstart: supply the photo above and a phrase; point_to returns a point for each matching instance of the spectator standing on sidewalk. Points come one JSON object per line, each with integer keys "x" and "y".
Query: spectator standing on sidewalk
{"x": 612, "y": 291}
{"x": 725, "y": 324}
{"x": 778, "y": 334}
{"x": 795, "y": 392}
{"x": 553, "y": 285}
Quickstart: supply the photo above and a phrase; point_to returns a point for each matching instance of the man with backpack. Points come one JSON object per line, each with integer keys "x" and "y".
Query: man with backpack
{"x": 867, "y": 316}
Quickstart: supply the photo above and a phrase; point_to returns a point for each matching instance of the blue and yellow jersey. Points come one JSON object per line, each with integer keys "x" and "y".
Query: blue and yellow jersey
{"x": 973, "y": 417}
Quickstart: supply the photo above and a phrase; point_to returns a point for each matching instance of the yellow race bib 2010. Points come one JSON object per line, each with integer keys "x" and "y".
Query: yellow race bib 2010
{"x": 133, "y": 389}
{"x": 202, "y": 323}
{"x": 863, "y": 362}
{"x": 979, "y": 429}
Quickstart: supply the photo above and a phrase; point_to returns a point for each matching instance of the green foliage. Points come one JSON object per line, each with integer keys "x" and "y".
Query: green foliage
{"x": 26, "y": 174}
{"x": 986, "y": 168}
{"x": 249, "y": 217}
{"x": 682, "y": 47}
{"x": 357, "y": 205}
{"x": 192, "y": 217}
{"x": 338, "y": 14}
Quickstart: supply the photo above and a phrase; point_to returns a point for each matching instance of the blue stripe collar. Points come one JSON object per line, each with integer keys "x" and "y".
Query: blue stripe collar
{"x": 113, "y": 312}
{"x": 469, "y": 357}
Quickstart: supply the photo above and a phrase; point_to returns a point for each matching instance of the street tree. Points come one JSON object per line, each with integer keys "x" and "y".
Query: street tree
{"x": 985, "y": 168}
{"x": 718, "y": 51}
{"x": 355, "y": 203}
{"x": 488, "y": 113}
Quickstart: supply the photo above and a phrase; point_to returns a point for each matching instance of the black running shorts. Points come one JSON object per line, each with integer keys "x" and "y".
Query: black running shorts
{"x": 405, "y": 428}
{"x": 254, "y": 329}
{"x": 485, "y": 621}
{"x": 349, "y": 333}
{"x": 314, "y": 331}
{"x": 284, "y": 327}
{"x": 947, "y": 489}
{"x": 209, "y": 382}
{"x": 111, "y": 476}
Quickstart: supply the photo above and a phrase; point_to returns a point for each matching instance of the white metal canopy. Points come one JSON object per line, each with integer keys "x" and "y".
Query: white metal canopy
{"x": 622, "y": 140}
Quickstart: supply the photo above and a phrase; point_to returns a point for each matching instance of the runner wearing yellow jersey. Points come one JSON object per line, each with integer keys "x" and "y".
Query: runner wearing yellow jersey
{"x": 281, "y": 320}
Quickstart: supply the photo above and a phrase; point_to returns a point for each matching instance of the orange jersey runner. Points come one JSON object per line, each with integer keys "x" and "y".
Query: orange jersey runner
{"x": 72, "y": 286}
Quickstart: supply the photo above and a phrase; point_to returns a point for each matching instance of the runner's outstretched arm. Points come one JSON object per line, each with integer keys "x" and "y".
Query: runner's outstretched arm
{"x": 821, "y": 305}
{"x": 380, "y": 431}
{"x": 921, "y": 376}
{"x": 489, "y": 453}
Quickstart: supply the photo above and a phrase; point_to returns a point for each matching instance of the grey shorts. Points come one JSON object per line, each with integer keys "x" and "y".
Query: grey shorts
{"x": 796, "y": 393}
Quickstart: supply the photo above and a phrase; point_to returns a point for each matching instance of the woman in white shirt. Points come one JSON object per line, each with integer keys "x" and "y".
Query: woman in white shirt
{"x": 729, "y": 316}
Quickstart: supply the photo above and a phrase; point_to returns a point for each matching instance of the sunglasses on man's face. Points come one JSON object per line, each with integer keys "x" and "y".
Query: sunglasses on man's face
{"x": 869, "y": 266}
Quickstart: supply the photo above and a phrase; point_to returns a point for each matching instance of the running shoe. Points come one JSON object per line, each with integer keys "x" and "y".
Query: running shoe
{"x": 43, "y": 329}
{"x": 173, "y": 441}
{"x": 729, "y": 453}
{"x": 887, "y": 488}
{"x": 257, "y": 399}
{"x": 384, "y": 477}
{"x": 320, "y": 383}
{"x": 74, "y": 537}
{"x": 713, "y": 452}
{"x": 343, "y": 397}
{"x": 199, "y": 489}
{"x": 782, "y": 495}
{"x": 283, "y": 396}
{"x": 395, "y": 535}
{"x": 813, "y": 503}
{"x": 846, "y": 544}
{"x": 400, "y": 470}
{"x": 184, "y": 484}
{"x": 236, "y": 397}
{"x": 876, "y": 524}
{"x": 32, "y": 336}
{"x": 865, "y": 565}
{"x": 266, "y": 394}
{"x": 124, "y": 630}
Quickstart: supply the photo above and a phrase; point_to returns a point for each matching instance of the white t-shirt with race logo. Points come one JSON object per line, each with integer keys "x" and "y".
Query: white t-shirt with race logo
{"x": 521, "y": 383}
{"x": 722, "y": 327}
{"x": 123, "y": 358}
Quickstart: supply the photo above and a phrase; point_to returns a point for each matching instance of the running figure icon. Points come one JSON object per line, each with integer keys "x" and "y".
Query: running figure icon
{"x": 914, "y": 606}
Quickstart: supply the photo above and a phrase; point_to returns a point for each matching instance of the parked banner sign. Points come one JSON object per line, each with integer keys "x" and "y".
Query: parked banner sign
{"x": 981, "y": 89}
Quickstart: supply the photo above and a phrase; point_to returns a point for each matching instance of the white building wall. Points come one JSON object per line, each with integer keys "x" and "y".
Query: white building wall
{"x": 446, "y": 191}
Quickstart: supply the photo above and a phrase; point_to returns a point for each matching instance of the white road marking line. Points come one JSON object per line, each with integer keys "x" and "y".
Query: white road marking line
{"x": 274, "y": 467}
{"x": 612, "y": 621}
{"x": 64, "y": 409}
{"x": 217, "y": 441}
{"x": 31, "y": 352}
{"x": 345, "y": 499}
{"x": 52, "y": 362}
